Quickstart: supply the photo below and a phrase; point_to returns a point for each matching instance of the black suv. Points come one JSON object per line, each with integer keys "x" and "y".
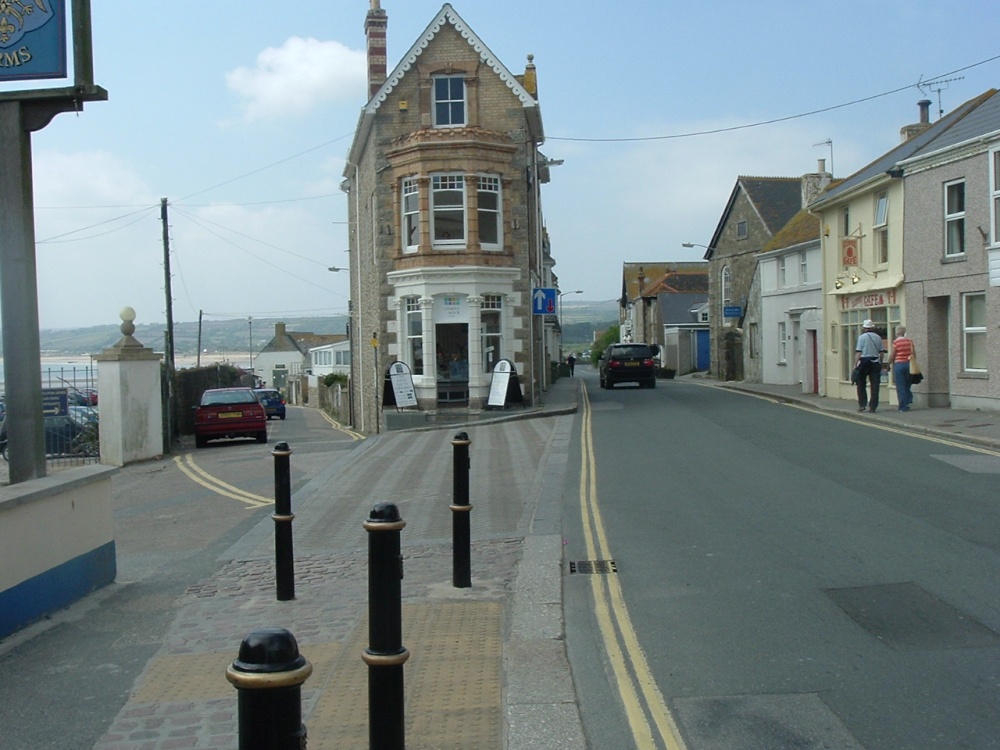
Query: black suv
{"x": 629, "y": 363}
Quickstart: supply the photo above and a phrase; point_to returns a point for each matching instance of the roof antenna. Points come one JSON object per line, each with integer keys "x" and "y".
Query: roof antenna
{"x": 829, "y": 143}
{"x": 937, "y": 86}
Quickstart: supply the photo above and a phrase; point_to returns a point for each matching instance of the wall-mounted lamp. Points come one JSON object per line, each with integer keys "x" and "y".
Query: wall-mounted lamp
{"x": 838, "y": 284}
{"x": 855, "y": 278}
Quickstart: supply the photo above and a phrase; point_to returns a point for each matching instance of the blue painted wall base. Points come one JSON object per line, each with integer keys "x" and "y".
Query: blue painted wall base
{"x": 56, "y": 589}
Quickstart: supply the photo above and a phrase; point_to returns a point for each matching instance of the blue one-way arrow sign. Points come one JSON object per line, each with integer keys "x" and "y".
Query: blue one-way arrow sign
{"x": 543, "y": 301}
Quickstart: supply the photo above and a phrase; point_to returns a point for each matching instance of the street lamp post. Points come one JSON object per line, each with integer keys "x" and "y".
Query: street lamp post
{"x": 250, "y": 324}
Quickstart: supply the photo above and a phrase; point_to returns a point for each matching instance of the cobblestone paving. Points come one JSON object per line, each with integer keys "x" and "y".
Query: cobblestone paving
{"x": 183, "y": 700}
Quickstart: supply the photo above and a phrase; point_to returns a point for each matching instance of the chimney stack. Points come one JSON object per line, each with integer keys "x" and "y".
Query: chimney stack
{"x": 909, "y": 131}
{"x": 375, "y": 25}
{"x": 814, "y": 184}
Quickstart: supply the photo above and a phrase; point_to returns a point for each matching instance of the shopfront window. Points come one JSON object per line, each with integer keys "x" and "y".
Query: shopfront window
{"x": 885, "y": 318}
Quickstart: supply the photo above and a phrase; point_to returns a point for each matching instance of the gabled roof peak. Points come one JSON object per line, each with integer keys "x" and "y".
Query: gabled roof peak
{"x": 448, "y": 15}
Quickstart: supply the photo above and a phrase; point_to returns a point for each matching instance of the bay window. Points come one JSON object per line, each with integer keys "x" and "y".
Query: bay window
{"x": 489, "y": 211}
{"x": 448, "y": 209}
{"x": 492, "y": 330}
{"x": 411, "y": 215}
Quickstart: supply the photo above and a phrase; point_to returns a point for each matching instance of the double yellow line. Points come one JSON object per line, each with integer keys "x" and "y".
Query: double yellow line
{"x": 648, "y": 716}
{"x": 198, "y": 475}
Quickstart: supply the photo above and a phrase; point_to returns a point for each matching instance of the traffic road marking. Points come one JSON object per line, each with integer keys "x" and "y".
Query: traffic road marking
{"x": 199, "y": 476}
{"x": 637, "y": 688}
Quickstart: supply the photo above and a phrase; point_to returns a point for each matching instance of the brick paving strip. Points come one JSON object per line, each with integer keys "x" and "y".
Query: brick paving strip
{"x": 452, "y": 680}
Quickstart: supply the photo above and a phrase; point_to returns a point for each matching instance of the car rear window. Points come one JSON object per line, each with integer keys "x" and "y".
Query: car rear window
{"x": 268, "y": 394}
{"x": 213, "y": 398}
{"x": 631, "y": 351}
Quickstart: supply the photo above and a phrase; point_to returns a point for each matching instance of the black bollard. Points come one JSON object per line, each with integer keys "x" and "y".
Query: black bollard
{"x": 385, "y": 654}
{"x": 268, "y": 673}
{"x": 284, "y": 562}
{"x": 460, "y": 511}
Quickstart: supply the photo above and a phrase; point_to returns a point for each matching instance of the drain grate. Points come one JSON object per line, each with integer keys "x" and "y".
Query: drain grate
{"x": 593, "y": 566}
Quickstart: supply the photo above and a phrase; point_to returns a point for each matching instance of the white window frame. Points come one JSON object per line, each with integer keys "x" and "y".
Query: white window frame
{"x": 490, "y": 185}
{"x": 725, "y": 290}
{"x": 413, "y": 329}
{"x": 974, "y": 334}
{"x": 782, "y": 272}
{"x": 845, "y": 229}
{"x": 492, "y": 307}
{"x": 881, "y": 226}
{"x": 444, "y": 109}
{"x": 995, "y": 196}
{"x": 410, "y": 204}
{"x": 954, "y": 220}
{"x": 782, "y": 342}
{"x": 448, "y": 182}
{"x": 803, "y": 268}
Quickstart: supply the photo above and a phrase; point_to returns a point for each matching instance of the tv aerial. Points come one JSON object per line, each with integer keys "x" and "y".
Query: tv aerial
{"x": 936, "y": 86}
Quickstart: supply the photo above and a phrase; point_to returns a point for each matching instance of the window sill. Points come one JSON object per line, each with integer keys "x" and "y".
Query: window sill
{"x": 958, "y": 258}
{"x": 973, "y": 375}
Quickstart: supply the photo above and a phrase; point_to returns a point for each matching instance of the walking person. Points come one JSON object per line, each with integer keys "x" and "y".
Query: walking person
{"x": 869, "y": 350}
{"x": 571, "y": 361}
{"x": 900, "y": 351}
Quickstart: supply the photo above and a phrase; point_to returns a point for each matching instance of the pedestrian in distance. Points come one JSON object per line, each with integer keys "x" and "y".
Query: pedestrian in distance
{"x": 900, "y": 351}
{"x": 571, "y": 361}
{"x": 869, "y": 361}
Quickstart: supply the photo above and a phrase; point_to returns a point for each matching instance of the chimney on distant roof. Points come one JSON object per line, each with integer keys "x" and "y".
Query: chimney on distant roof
{"x": 908, "y": 131}
{"x": 279, "y": 330}
{"x": 815, "y": 183}
{"x": 375, "y": 25}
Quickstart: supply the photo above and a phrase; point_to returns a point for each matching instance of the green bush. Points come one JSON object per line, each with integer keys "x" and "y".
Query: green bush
{"x": 609, "y": 337}
{"x": 334, "y": 378}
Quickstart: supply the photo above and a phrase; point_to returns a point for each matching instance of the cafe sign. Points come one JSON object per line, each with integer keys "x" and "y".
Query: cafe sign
{"x": 868, "y": 299}
{"x": 849, "y": 250}
{"x": 32, "y": 40}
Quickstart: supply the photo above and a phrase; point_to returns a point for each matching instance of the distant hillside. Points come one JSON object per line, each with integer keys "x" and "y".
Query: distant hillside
{"x": 216, "y": 335}
{"x": 580, "y": 319}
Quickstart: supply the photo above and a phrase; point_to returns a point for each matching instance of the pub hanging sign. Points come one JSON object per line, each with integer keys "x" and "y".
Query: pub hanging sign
{"x": 32, "y": 40}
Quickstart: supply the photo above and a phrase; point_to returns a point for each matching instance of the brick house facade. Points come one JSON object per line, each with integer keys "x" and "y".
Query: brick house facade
{"x": 447, "y": 239}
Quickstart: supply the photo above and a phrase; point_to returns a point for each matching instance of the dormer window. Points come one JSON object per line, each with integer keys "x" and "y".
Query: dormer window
{"x": 449, "y": 101}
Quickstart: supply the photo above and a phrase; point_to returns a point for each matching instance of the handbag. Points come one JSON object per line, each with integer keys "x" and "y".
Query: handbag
{"x": 856, "y": 375}
{"x": 916, "y": 376}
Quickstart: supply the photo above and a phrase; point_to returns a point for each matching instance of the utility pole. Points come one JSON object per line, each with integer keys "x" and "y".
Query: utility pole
{"x": 169, "y": 344}
{"x": 198, "y": 359}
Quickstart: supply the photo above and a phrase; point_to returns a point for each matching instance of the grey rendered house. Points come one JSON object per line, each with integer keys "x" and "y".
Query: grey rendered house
{"x": 951, "y": 263}
{"x": 448, "y": 240}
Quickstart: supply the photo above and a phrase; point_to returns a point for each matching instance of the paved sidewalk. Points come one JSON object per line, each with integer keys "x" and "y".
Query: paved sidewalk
{"x": 974, "y": 427}
{"x": 487, "y": 664}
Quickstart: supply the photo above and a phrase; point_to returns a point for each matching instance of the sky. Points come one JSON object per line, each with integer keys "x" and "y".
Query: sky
{"x": 241, "y": 112}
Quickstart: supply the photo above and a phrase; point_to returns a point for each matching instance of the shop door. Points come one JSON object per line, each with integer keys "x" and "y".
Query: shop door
{"x": 452, "y": 362}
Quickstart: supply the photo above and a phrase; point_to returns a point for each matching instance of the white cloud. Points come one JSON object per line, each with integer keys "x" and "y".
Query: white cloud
{"x": 292, "y": 79}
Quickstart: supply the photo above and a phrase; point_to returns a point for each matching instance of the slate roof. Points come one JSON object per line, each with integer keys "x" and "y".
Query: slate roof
{"x": 663, "y": 278}
{"x": 680, "y": 308}
{"x": 951, "y": 129}
{"x": 982, "y": 118}
{"x": 300, "y": 342}
{"x": 775, "y": 199}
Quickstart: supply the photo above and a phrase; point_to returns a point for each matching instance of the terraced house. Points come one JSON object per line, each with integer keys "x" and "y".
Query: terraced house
{"x": 447, "y": 238}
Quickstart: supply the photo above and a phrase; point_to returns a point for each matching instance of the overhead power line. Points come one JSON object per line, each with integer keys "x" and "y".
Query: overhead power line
{"x": 747, "y": 126}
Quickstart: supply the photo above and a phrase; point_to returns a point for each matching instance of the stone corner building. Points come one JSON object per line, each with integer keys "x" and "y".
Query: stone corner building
{"x": 447, "y": 239}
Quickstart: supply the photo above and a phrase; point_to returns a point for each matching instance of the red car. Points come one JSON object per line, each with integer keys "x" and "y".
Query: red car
{"x": 229, "y": 413}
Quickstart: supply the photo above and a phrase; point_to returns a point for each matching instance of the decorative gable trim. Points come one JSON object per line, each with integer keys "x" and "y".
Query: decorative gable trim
{"x": 448, "y": 15}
